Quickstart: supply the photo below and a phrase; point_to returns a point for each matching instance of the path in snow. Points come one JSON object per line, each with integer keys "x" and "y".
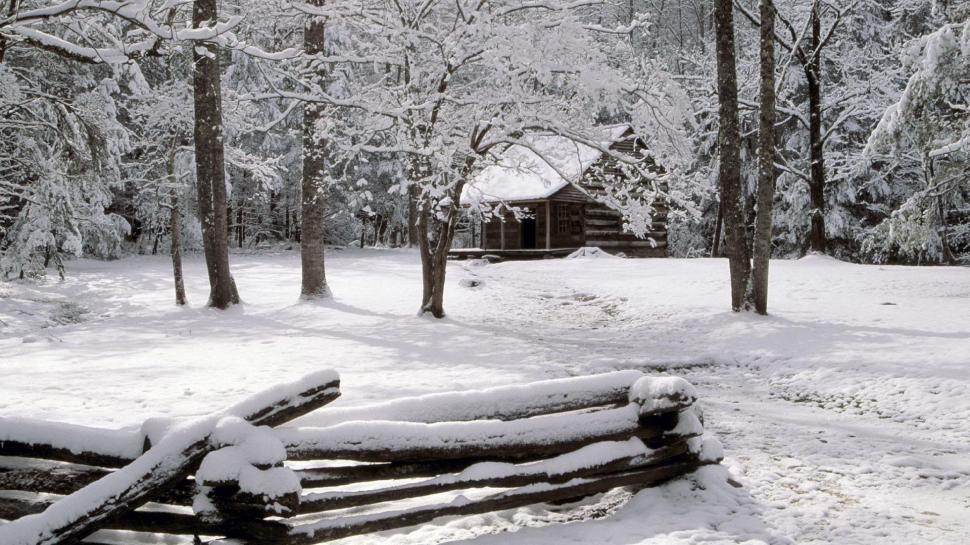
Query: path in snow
{"x": 828, "y": 469}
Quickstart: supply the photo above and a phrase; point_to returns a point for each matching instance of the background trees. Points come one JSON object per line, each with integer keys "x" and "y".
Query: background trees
{"x": 359, "y": 123}
{"x": 440, "y": 87}
{"x": 928, "y": 126}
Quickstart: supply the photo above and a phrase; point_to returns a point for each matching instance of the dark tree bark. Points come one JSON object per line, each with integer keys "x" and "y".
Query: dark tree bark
{"x": 240, "y": 228}
{"x": 766, "y": 162}
{"x": 312, "y": 241}
{"x": 729, "y": 148}
{"x": 813, "y": 73}
{"x": 286, "y": 220}
{"x": 175, "y": 226}
{"x": 210, "y": 161}
{"x": 929, "y": 173}
{"x": 434, "y": 240}
{"x": 436, "y": 231}
{"x": 718, "y": 224}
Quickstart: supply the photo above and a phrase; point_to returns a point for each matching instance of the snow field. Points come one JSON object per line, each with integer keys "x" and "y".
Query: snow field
{"x": 843, "y": 413}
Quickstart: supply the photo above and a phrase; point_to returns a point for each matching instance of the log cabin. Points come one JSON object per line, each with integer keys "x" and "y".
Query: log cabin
{"x": 543, "y": 204}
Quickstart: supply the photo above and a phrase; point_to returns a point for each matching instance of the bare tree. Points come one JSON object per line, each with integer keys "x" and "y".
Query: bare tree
{"x": 816, "y": 186}
{"x": 312, "y": 242}
{"x": 210, "y": 161}
{"x": 175, "y": 225}
{"x": 729, "y": 149}
{"x": 810, "y": 58}
{"x": 758, "y": 294}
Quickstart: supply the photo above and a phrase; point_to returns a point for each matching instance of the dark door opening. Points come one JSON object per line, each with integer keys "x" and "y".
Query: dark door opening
{"x": 528, "y": 233}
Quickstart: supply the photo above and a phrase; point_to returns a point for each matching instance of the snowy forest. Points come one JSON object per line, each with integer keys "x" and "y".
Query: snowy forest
{"x": 160, "y": 126}
{"x": 484, "y": 272}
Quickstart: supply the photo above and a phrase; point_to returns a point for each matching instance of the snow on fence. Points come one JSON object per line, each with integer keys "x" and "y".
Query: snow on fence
{"x": 344, "y": 472}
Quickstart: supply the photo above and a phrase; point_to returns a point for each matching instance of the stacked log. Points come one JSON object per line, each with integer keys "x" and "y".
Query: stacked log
{"x": 544, "y": 442}
{"x": 111, "y": 500}
{"x": 640, "y": 435}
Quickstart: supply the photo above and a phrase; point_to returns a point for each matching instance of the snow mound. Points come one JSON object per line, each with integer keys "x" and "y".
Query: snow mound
{"x": 820, "y": 260}
{"x": 471, "y": 283}
{"x": 590, "y": 252}
{"x": 655, "y": 394}
{"x": 703, "y": 507}
{"x": 244, "y": 462}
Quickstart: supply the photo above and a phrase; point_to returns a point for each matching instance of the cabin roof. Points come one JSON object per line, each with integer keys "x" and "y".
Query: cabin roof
{"x": 522, "y": 174}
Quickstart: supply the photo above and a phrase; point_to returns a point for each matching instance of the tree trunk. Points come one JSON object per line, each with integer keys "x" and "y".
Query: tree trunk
{"x": 413, "y": 217}
{"x": 813, "y": 72}
{"x": 425, "y": 248}
{"x": 312, "y": 243}
{"x": 240, "y": 230}
{"x": 929, "y": 173}
{"x": 210, "y": 162}
{"x": 434, "y": 241}
{"x": 175, "y": 228}
{"x": 766, "y": 162}
{"x": 729, "y": 147}
{"x": 286, "y": 224}
{"x": 718, "y": 223}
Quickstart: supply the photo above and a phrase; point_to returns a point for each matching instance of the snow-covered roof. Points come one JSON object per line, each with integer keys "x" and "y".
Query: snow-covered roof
{"x": 550, "y": 163}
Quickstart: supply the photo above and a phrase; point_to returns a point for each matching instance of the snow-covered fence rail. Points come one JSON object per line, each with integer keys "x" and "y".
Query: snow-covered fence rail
{"x": 167, "y": 463}
{"x": 391, "y": 463}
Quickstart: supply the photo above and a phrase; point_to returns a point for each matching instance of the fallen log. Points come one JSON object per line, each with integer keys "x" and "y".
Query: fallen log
{"x": 164, "y": 465}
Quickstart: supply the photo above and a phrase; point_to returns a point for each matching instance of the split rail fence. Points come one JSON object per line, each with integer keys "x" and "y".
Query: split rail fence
{"x": 240, "y": 474}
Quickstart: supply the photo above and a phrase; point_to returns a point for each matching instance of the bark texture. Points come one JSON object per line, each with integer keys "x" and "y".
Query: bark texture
{"x": 766, "y": 162}
{"x": 813, "y": 73}
{"x": 175, "y": 229}
{"x": 210, "y": 162}
{"x": 312, "y": 241}
{"x": 435, "y": 225}
{"x": 412, "y": 217}
{"x": 435, "y": 235}
{"x": 729, "y": 148}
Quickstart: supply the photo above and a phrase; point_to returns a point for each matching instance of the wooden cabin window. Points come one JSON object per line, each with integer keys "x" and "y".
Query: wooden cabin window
{"x": 562, "y": 218}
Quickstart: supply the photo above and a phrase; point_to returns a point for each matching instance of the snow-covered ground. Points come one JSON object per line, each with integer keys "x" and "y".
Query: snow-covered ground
{"x": 845, "y": 414}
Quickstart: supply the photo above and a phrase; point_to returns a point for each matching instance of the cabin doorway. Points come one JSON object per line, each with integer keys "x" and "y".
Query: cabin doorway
{"x": 528, "y": 233}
